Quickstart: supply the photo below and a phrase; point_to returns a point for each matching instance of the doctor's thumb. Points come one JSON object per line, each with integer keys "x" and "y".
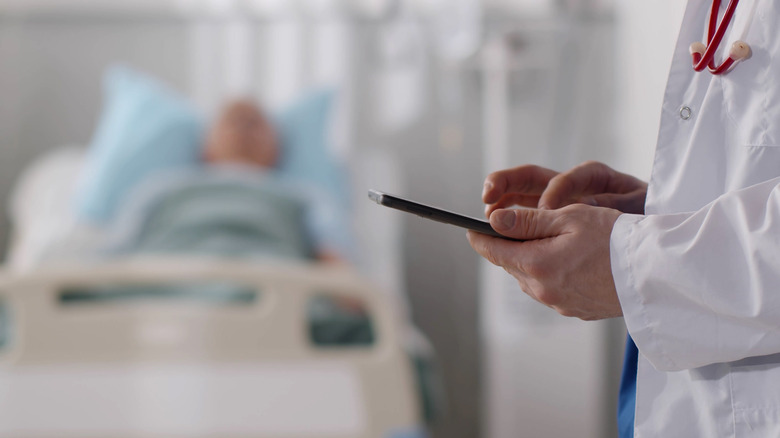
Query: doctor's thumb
{"x": 524, "y": 223}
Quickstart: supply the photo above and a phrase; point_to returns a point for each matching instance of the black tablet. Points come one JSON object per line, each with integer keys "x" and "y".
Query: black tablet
{"x": 433, "y": 213}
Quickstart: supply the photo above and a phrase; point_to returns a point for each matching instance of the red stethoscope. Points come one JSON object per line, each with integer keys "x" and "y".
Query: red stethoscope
{"x": 703, "y": 55}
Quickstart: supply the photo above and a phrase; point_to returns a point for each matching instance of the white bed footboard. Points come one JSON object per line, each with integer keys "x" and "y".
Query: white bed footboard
{"x": 157, "y": 368}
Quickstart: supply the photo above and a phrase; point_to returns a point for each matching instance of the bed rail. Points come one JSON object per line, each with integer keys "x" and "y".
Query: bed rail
{"x": 48, "y": 331}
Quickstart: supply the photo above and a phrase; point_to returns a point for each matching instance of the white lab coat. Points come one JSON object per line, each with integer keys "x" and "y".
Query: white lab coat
{"x": 698, "y": 277}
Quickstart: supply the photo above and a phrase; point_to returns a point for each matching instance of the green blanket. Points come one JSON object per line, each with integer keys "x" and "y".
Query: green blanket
{"x": 220, "y": 217}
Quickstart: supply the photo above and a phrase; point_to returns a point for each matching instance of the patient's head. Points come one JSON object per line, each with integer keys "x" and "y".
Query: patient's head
{"x": 242, "y": 134}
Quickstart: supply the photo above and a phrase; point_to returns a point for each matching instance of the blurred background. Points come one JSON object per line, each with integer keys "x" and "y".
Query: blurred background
{"x": 423, "y": 98}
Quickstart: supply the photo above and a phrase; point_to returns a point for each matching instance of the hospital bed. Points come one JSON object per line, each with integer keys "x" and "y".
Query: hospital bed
{"x": 151, "y": 367}
{"x": 154, "y": 366}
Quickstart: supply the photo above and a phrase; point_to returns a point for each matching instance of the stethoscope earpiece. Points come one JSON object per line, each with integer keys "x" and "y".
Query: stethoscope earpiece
{"x": 697, "y": 50}
{"x": 739, "y": 50}
{"x": 703, "y": 55}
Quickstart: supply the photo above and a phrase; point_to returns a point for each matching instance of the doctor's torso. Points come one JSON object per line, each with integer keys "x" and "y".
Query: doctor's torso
{"x": 718, "y": 134}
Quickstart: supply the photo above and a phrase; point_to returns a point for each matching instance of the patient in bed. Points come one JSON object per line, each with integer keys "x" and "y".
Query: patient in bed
{"x": 228, "y": 198}
{"x": 157, "y": 179}
{"x": 242, "y": 135}
{"x": 235, "y": 204}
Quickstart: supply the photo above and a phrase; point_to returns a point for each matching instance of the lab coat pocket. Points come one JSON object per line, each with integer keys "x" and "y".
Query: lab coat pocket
{"x": 755, "y": 388}
{"x": 751, "y": 90}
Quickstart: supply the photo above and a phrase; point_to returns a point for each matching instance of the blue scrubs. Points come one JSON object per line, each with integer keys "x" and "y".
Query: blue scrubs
{"x": 627, "y": 394}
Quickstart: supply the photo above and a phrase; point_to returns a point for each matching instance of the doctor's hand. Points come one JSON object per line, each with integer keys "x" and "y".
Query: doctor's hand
{"x": 564, "y": 262}
{"x": 591, "y": 183}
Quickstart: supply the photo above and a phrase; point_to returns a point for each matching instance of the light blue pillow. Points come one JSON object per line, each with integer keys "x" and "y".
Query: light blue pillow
{"x": 144, "y": 128}
{"x": 303, "y": 129}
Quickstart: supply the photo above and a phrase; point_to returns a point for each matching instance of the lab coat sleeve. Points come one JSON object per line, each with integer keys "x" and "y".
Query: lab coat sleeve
{"x": 702, "y": 287}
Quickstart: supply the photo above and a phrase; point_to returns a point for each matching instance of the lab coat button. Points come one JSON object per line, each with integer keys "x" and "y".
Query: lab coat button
{"x": 685, "y": 113}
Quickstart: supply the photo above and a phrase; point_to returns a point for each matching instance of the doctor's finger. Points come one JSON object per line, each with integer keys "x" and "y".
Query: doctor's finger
{"x": 590, "y": 177}
{"x": 527, "y": 224}
{"x": 512, "y": 199}
{"x": 527, "y": 180}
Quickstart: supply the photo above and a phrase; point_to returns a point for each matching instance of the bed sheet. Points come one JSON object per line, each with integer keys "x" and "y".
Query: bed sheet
{"x": 40, "y": 209}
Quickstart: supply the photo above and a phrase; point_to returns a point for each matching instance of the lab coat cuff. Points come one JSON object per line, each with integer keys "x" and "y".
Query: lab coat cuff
{"x": 623, "y": 258}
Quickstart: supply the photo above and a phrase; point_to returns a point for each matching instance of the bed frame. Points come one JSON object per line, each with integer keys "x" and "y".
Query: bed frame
{"x": 151, "y": 369}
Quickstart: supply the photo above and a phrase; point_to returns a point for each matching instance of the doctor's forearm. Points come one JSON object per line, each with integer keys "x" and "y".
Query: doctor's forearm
{"x": 702, "y": 287}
